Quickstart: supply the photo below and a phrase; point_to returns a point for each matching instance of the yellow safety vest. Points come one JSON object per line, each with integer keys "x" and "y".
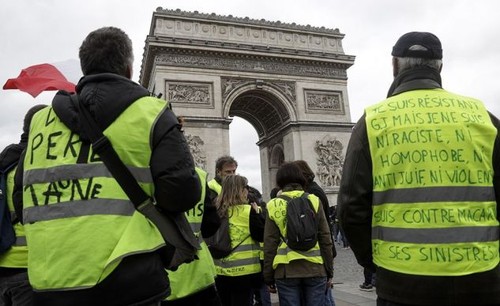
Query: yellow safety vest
{"x": 276, "y": 208}
{"x": 434, "y": 207}
{"x": 79, "y": 223}
{"x": 244, "y": 259}
{"x": 215, "y": 186}
{"x": 197, "y": 275}
{"x": 17, "y": 255}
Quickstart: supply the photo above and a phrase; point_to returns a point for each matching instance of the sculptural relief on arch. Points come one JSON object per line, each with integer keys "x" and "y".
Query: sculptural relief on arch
{"x": 288, "y": 81}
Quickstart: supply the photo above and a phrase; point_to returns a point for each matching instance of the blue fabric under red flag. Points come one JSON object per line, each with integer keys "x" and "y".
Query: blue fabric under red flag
{"x": 38, "y": 78}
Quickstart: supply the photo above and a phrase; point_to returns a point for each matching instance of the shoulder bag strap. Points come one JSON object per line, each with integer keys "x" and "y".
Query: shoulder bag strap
{"x": 102, "y": 146}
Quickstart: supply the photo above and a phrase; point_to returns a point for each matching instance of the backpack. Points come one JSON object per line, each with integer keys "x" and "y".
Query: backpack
{"x": 219, "y": 244}
{"x": 7, "y": 234}
{"x": 301, "y": 223}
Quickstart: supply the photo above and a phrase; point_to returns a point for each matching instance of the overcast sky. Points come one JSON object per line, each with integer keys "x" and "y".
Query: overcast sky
{"x": 51, "y": 31}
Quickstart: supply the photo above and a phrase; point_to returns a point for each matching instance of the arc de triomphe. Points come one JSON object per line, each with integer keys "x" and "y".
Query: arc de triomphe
{"x": 289, "y": 81}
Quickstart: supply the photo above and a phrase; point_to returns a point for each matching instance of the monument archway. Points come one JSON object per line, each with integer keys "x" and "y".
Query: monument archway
{"x": 288, "y": 81}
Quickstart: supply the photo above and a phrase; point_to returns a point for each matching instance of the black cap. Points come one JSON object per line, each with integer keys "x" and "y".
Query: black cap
{"x": 425, "y": 39}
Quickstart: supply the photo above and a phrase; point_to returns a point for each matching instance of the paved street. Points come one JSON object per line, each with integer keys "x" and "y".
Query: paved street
{"x": 348, "y": 276}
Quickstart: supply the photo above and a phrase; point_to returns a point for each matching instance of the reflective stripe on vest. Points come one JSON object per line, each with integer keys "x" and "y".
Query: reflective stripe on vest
{"x": 199, "y": 274}
{"x": 17, "y": 255}
{"x": 73, "y": 208}
{"x": 244, "y": 259}
{"x": 434, "y": 206}
{"x": 69, "y": 172}
{"x": 277, "y": 213}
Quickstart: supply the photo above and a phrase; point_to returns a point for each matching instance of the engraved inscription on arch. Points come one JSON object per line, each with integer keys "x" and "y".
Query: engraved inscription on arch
{"x": 264, "y": 65}
{"x": 195, "y": 94}
{"x": 329, "y": 101}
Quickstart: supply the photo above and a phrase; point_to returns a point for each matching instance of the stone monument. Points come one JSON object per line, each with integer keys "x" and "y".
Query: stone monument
{"x": 289, "y": 81}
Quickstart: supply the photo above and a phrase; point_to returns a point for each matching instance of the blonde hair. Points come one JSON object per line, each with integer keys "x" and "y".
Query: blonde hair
{"x": 232, "y": 193}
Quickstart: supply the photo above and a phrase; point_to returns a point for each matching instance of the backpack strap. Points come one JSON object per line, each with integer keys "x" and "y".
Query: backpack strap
{"x": 102, "y": 146}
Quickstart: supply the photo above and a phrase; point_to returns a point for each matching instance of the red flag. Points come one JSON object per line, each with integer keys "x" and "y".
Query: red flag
{"x": 38, "y": 78}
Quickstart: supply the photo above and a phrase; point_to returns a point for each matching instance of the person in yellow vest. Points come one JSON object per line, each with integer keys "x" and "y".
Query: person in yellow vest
{"x": 224, "y": 166}
{"x": 419, "y": 196}
{"x": 300, "y": 277}
{"x": 239, "y": 273}
{"x": 193, "y": 284}
{"x": 313, "y": 188}
{"x": 88, "y": 244}
{"x": 15, "y": 288}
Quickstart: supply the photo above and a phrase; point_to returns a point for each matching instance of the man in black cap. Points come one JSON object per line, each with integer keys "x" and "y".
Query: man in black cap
{"x": 419, "y": 195}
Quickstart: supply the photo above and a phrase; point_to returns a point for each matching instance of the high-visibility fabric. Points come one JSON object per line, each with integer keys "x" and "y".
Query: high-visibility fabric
{"x": 244, "y": 259}
{"x": 434, "y": 207}
{"x": 17, "y": 255}
{"x": 199, "y": 274}
{"x": 79, "y": 222}
{"x": 215, "y": 186}
{"x": 277, "y": 213}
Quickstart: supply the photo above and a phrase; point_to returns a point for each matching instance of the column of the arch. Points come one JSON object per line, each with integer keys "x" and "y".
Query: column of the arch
{"x": 266, "y": 176}
{"x": 215, "y": 136}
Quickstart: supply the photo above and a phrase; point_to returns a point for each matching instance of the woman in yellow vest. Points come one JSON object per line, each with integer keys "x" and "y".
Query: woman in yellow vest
{"x": 238, "y": 274}
{"x": 301, "y": 277}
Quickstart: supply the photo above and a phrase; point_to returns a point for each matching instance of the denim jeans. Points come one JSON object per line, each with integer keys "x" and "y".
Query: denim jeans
{"x": 16, "y": 290}
{"x": 329, "y": 301}
{"x": 264, "y": 295}
{"x": 312, "y": 291}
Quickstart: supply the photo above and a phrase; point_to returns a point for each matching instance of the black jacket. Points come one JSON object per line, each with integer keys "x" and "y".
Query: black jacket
{"x": 355, "y": 215}
{"x": 138, "y": 278}
{"x": 314, "y": 188}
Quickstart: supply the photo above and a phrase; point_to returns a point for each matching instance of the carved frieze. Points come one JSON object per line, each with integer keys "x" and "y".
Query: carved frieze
{"x": 263, "y": 65}
{"x": 329, "y": 101}
{"x": 196, "y": 94}
{"x": 285, "y": 87}
{"x": 230, "y": 84}
{"x": 329, "y": 161}
{"x": 196, "y": 145}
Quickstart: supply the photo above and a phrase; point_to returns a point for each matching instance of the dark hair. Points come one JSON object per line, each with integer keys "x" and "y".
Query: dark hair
{"x": 306, "y": 170}
{"x": 289, "y": 173}
{"x": 29, "y": 115}
{"x": 226, "y": 159}
{"x": 107, "y": 49}
{"x": 274, "y": 192}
